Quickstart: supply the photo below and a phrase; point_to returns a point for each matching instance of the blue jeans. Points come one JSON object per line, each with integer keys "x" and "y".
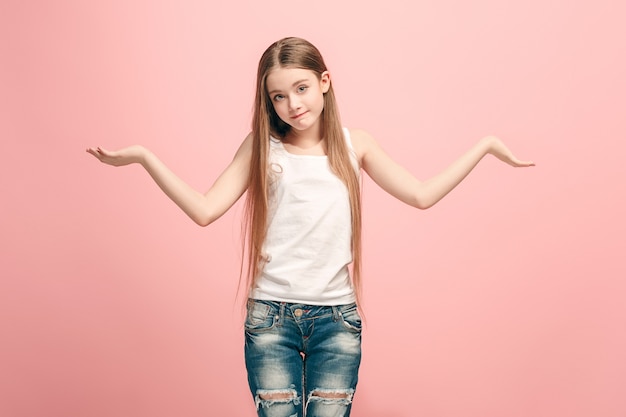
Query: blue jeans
{"x": 302, "y": 360}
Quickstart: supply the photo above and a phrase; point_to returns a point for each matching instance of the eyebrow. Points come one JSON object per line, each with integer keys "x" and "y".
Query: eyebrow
{"x": 293, "y": 85}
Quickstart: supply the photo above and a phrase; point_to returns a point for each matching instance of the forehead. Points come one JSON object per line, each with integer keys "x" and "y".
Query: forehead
{"x": 284, "y": 78}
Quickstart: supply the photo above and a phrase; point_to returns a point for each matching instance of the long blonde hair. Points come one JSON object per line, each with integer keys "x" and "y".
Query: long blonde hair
{"x": 293, "y": 53}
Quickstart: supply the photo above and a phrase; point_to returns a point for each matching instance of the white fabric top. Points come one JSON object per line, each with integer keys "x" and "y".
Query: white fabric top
{"x": 308, "y": 243}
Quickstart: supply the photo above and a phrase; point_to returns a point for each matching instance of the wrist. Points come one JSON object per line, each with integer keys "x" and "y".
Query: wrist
{"x": 144, "y": 156}
{"x": 488, "y": 143}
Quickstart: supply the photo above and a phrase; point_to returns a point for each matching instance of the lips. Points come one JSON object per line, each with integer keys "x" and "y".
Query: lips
{"x": 297, "y": 116}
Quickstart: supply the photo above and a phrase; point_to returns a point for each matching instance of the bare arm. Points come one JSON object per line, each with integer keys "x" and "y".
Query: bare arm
{"x": 203, "y": 209}
{"x": 398, "y": 182}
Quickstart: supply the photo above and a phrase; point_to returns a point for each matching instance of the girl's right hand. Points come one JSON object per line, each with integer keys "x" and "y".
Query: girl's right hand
{"x": 498, "y": 149}
{"x": 202, "y": 208}
{"x": 124, "y": 156}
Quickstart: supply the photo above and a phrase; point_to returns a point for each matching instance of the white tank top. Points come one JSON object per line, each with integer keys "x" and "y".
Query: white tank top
{"x": 308, "y": 245}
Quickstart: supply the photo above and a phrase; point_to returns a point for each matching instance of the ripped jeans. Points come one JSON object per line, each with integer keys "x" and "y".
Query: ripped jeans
{"x": 302, "y": 360}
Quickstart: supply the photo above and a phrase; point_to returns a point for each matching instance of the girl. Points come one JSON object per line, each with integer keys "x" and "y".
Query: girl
{"x": 300, "y": 169}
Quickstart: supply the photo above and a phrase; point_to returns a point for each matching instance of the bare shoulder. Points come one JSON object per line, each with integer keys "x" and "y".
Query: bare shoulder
{"x": 362, "y": 142}
{"x": 245, "y": 149}
{"x": 247, "y": 141}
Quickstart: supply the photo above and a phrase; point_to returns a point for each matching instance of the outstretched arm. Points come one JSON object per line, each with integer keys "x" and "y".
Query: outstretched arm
{"x": 398, "y": 182}
{"x": 203, "y": 209}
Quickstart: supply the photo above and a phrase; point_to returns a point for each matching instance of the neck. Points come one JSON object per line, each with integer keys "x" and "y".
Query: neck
{"x": 304, "y": 143}
{"x": 304, "y": 138}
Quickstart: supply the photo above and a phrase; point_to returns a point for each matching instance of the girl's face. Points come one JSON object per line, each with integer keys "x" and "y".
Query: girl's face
{"x": 298, "y": 96}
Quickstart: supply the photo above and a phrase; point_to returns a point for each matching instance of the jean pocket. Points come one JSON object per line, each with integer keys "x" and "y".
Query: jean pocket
{"x": 351, "y": 318}
{"x": 260, "y": 316}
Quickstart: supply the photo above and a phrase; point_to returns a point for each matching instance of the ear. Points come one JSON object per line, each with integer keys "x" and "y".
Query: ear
{"x": 325, "y": 81}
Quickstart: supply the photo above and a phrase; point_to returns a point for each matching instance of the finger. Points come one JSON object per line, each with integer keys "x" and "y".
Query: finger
{"x": 105, "y": 152}
{"x": 102, "y": 155}
{"x": 93, "y": 152}
{"x": 523, "y": 164}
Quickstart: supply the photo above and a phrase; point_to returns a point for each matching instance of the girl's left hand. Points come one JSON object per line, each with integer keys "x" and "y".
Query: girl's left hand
{"x": 126, "y": 156}
{"x": 498, "y": 149}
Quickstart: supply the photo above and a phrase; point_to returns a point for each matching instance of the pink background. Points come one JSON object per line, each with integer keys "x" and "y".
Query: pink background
{"x": 506, "y": 299}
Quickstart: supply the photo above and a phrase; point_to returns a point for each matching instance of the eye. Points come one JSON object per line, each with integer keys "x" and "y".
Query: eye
{"x": 278, "y": 97}
{"x": 303, "y": 88}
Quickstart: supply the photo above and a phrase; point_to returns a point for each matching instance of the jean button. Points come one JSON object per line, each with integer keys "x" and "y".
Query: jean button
{"x": 298, "y": 312}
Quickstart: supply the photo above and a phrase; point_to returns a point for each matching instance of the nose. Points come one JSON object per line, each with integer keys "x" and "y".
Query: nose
{"x": 294, "y": 103}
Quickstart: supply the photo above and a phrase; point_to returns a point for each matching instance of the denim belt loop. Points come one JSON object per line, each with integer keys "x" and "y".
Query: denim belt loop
{"x": 281, "y": 313}
{"x": 336, "y": 313}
